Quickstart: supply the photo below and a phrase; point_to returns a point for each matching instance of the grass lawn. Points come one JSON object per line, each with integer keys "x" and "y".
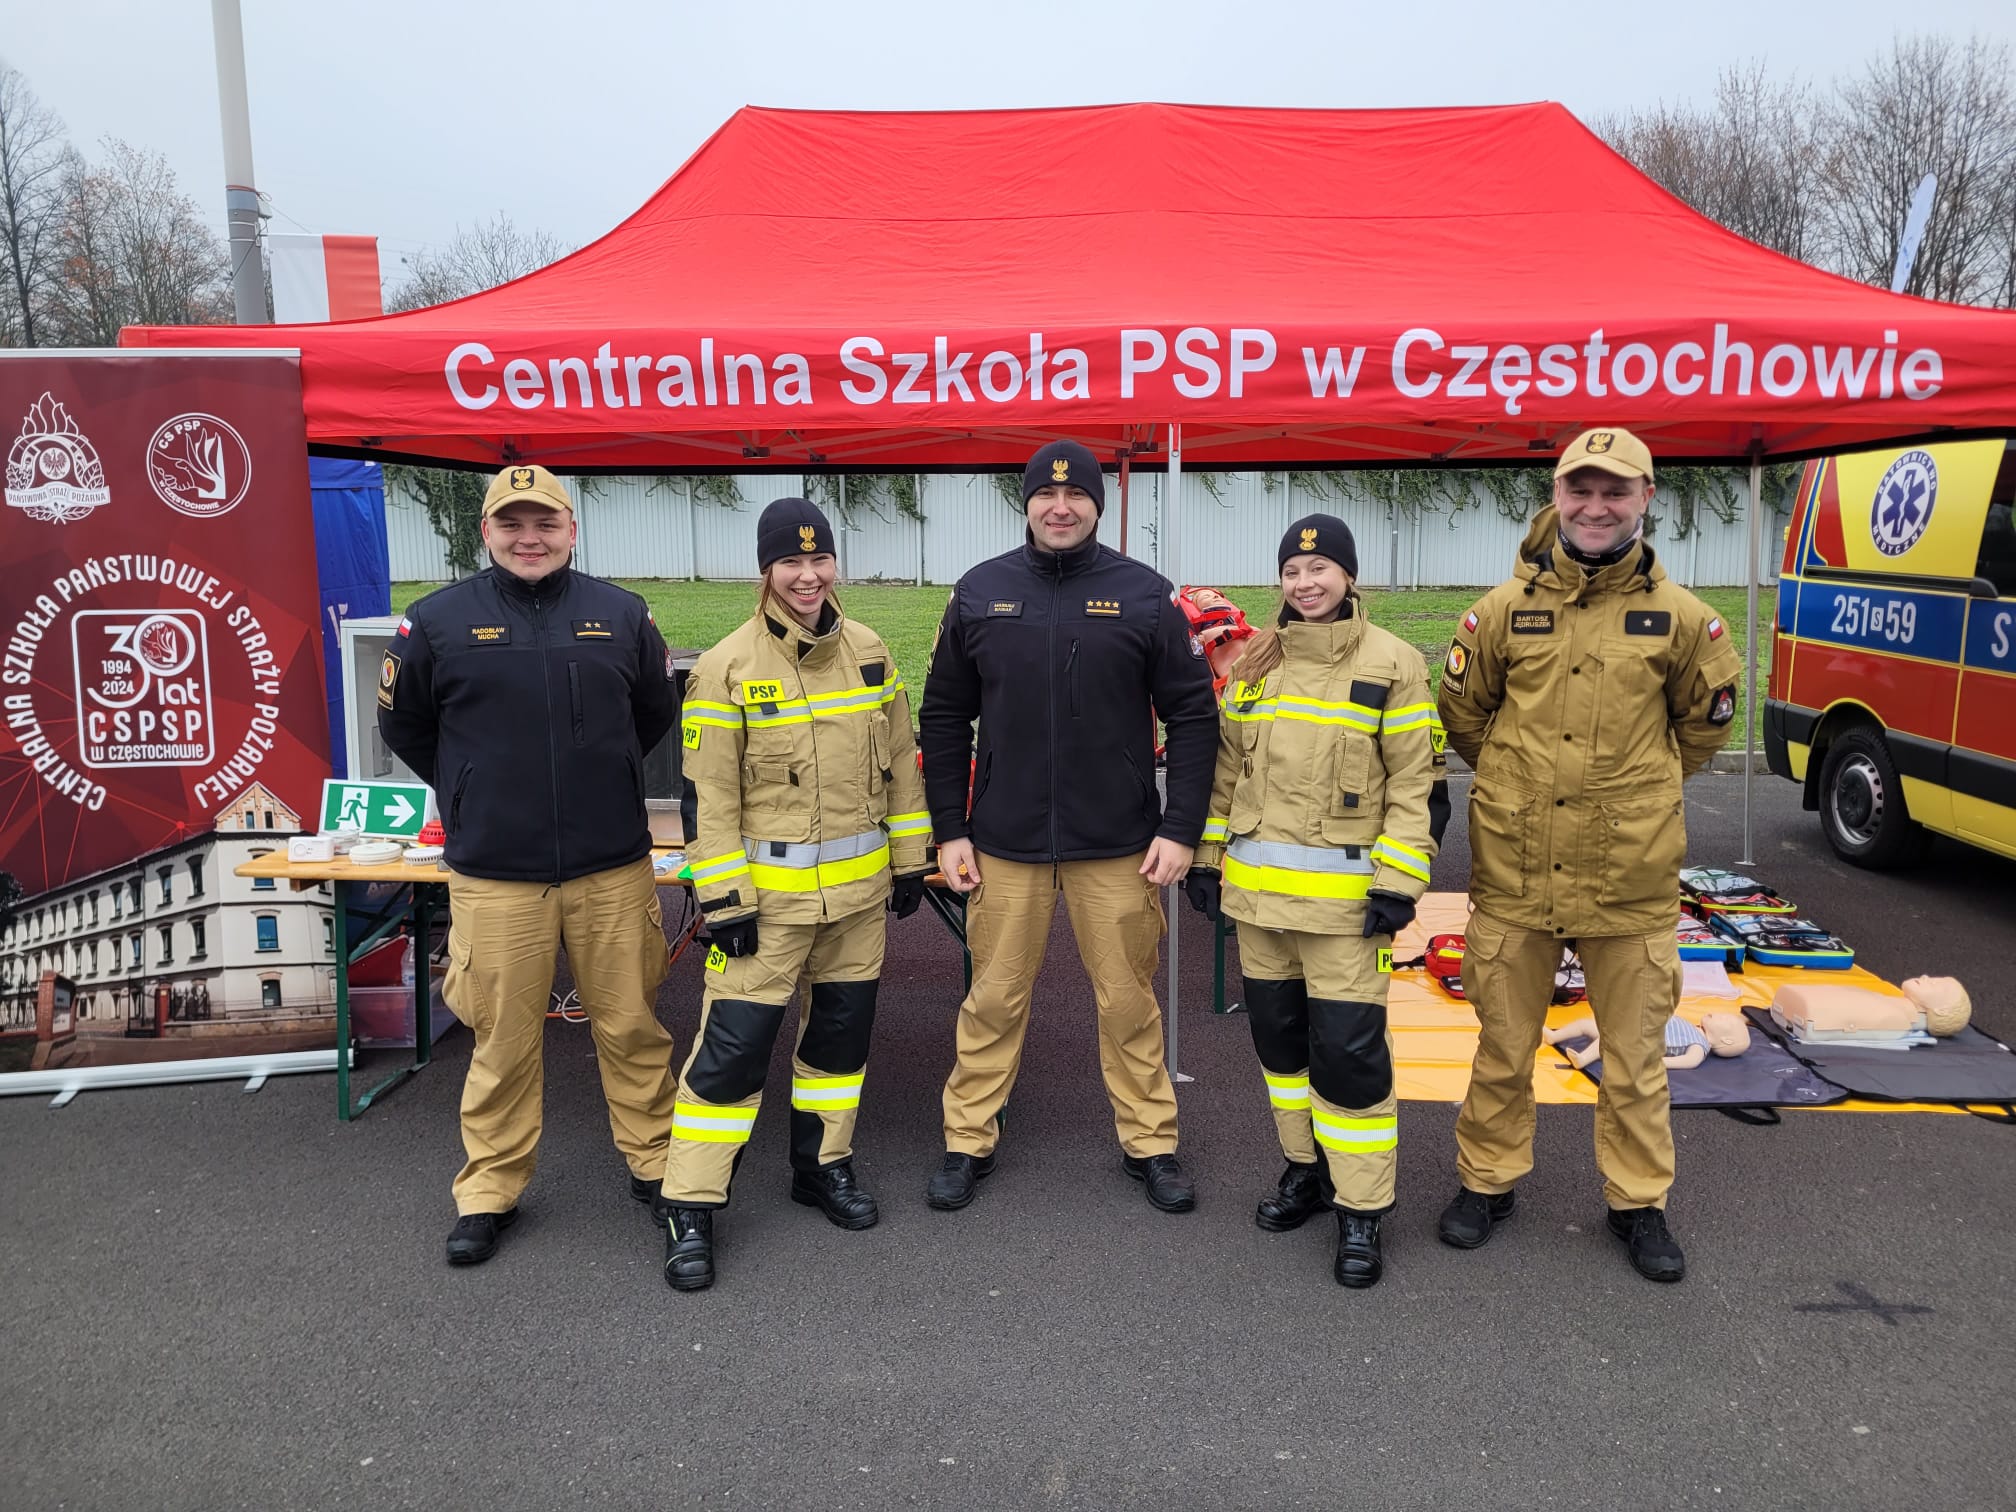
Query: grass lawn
{"x": 696, "y": 615}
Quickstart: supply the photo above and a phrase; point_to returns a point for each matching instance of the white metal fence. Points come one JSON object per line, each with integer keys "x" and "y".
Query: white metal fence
{"x": 1224, "y": 533}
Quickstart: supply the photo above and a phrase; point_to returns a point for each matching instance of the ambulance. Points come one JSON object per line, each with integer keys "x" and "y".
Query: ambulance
{"x": 1892, "y": 693}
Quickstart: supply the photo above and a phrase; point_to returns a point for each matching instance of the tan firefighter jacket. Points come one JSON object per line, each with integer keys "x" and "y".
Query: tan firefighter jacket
{"x": 1582, "y": 701}
{"x": 1329, "y": 781}
{"x": 804, "y": 767}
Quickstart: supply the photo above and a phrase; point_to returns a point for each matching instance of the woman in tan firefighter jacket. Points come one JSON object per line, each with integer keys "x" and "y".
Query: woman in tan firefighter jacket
{"x": 1328, "y": 806}
{"x": 1583, "y": 691}
{"x": 797, "y": 742}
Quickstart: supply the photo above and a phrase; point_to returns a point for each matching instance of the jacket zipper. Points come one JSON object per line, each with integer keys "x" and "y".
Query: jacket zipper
{"x": 1071, "y": 666}
{"x": 552, "y": 751}
{"x": 574, "y": 702}
{"x": 1050, "y": 680}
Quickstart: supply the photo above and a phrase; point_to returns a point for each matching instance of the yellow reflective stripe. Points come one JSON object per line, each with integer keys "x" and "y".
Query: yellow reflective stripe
{"x": 711, "y": 707}
{"x": 795, "y": 711}
{"x": 1287, "y": 1091}
{"x": 908, "y": 824}
{"x": 825, "y": 874}
{"x": 1411, "y": 717}
{"x": 1401, "y": 857}
{"x": 1216, "y": 829}
{"x": 813, "y": 1093}
{"x": 706, "y": 1124}
{"x": 1354, "y": 1135}
{"x": 716, "y": 868}
{"x": 1354, "y": 716}
{"x": 1295, "y": 884}
{"x": 1262, "y": 710}
{"x": 710, "y": 719}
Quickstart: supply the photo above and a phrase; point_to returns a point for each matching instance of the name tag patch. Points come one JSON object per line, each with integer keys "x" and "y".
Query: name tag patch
{"x": 1110, "y": 608}
{"x": 1648, "y": 622}
{"x": 768, "y": 691}
{"x": 1532, "y": 621}
{"x": 489, "y": 635}
{"x": 1004, "y": 609}
{"x": 593, "y": 630}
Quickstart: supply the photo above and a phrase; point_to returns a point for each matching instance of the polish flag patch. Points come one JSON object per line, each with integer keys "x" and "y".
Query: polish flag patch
{"x": 1470, "y": 622}
{"x": 1715, "y": 629}
{"x": 405, "y": 625}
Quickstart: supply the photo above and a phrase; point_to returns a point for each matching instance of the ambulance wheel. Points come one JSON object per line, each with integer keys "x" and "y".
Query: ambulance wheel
{"x": 1862, "y": 804}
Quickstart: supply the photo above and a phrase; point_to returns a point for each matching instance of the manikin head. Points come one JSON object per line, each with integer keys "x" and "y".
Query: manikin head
{"x": 1726, "y": 1033}
{"x": 1943, "y": 1001}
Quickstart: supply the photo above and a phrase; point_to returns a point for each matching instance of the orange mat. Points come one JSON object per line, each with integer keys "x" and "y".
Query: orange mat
{"x": 1435, "y": 1036}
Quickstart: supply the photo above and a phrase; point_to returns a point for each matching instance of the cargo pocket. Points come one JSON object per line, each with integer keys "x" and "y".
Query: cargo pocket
{"x": 1249, "y": 796}
{"x": 1483, "y": 942}
{"x": 1644, "y": 840}
{"x": 774, "y": 806}
{"x": 878, "y": 752}
{"x": 460, "y": 989}
{"x": 657, "y": 951}
{"x": 1500, "y": 834}
{"x": 1349, "y": 795}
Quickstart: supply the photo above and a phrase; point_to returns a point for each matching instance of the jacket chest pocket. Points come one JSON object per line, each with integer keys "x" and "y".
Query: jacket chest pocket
{"x": 879, "y": 744}
{"x": 1249, "y": 794}
{"x": 1354, "y": 811}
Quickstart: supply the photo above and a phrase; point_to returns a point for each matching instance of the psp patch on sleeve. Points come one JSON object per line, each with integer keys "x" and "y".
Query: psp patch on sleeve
{"x": 1454, "y": 666}
{"x": 388, "y": 679}
{"x": 1722, "y": 707}
{"x": 689, "y": 736}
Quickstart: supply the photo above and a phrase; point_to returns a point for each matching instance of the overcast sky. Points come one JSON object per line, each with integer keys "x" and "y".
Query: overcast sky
{"x": 406, "y": 119}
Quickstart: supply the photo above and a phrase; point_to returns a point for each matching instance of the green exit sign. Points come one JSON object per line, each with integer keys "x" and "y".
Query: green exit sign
{"x": 382, "y": 810}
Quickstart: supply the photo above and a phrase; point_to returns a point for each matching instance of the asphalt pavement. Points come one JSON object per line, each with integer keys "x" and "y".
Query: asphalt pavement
{"x": 220, "y": 1301}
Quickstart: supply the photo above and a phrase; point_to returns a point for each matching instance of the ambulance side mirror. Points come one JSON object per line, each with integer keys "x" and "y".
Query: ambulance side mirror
{"x": 1982, "y": 588}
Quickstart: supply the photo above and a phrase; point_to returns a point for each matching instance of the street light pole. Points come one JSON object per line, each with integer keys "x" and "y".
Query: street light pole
{"x": 241, "y": 199}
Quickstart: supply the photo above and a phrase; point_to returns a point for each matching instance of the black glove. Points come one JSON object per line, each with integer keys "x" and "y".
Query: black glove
{"x": 906, "y": 893}
{"x": 736, "y": 939}
{"x": 1387, "y": 913}
{"x": 1202, "y": 887}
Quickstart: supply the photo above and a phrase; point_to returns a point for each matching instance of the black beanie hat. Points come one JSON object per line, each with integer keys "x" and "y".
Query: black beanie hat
{"x": 1320, "y": 535}
{"x": 791, "y": 527}
{"x": 1065, "y": 462}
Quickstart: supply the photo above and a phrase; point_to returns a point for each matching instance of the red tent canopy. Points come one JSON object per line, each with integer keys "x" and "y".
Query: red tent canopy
{"x": 903, "y": 291}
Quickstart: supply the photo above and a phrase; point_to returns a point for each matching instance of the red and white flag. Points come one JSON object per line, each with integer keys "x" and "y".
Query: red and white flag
{"x": 324, "y": 277}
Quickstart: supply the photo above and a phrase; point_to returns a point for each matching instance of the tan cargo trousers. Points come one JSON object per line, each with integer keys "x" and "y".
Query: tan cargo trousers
{"x": 1634, "y": 986}
{"x": 501, "y": 949}
{"x": 1116, "y": 917}
{"x": 1316, "y": 1004}
{"x": 721, "y": 1085}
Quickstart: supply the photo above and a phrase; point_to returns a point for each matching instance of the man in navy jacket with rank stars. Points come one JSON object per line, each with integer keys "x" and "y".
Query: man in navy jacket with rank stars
{"x": 526, "y": 696}
{"x": 1067, "y": 653}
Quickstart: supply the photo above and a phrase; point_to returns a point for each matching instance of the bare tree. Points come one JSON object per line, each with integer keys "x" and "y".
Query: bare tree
{"x": 1750, "y": 161}
{"x": 33, "y": 158}
{"x": 132, "y": 249}
{"x": 1930, "y": 105}
{"x": 477, "y": 258}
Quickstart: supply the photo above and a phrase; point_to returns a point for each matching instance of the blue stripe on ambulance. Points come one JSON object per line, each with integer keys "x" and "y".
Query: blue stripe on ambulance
{"x": 1870, "y": 618}
{"x": 1991, "y": 636}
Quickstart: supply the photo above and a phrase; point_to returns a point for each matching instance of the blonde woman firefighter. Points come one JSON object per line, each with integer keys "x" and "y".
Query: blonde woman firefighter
{"x": 1328, "y": 805}
{"x": 809, "y": 817}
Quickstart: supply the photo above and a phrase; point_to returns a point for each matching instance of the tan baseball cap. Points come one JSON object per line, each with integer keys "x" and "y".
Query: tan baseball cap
{"x": 1614, "y": 451}
{"x": 534, "y": 483}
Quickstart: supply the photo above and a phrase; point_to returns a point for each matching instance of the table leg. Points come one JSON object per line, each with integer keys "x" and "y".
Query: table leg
{"x": 423, "y": 976}
{"x": 1219, "y": 930}
{"x": 343, "y": 1002}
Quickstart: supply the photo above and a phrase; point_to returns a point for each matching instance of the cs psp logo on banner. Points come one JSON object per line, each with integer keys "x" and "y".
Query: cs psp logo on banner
{"x": 199, "y": 465}
{"x": 143, "y": 687}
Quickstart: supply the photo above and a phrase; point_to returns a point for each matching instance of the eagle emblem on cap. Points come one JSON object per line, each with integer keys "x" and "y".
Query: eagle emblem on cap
{"x": 1060, "y": 470}
{"x": 1309, "y": 540}
{"x": 521, "y": 477}
{"x": 807, "y": 536}
{"x": 1599, "y": 441}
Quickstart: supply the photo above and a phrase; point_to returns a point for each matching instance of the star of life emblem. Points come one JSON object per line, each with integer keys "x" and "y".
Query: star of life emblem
{"x": 53, "y": 471}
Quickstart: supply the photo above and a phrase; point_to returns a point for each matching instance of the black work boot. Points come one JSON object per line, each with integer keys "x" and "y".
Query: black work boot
{"x": 1359, "y": 1263}
{"x": 1168, "y": 1188}
{"x": 952, "y": 1187}
{"x": 1655, "y": 1253}
{"x": 1467, "y": 1222}
{"x": 1294, "y": 1201}
{"x": 474, "y": 1237}
{"x": 652, "y": 1195}
{"x": 831, "y": 1189}
{"x": 689, "y": 1249}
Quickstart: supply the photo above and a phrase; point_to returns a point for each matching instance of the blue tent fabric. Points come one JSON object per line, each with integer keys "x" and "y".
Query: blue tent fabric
{"x": 354, "y": 565}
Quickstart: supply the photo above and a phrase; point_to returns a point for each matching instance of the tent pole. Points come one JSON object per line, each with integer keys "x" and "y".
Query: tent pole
{"x": 692, "y": 533}
{"x": 1165, "y": 549}
{"x": 917, "y": 481}
{"x": 1750, "y": 647}
{"x": 1126, "y": 468}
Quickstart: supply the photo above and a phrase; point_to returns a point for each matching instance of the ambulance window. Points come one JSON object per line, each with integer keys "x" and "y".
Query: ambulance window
{"x": 1998, "y": 550}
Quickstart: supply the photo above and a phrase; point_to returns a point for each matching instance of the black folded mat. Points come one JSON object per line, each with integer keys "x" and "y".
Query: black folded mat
{"x": 1970, "y": 1067}
{"x": 1764, "y": 1076}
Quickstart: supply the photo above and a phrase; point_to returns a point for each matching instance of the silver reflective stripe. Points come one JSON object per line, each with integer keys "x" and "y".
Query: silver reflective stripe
{"x": 1307, "y": 858}
{"x": 804, "y": 857}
